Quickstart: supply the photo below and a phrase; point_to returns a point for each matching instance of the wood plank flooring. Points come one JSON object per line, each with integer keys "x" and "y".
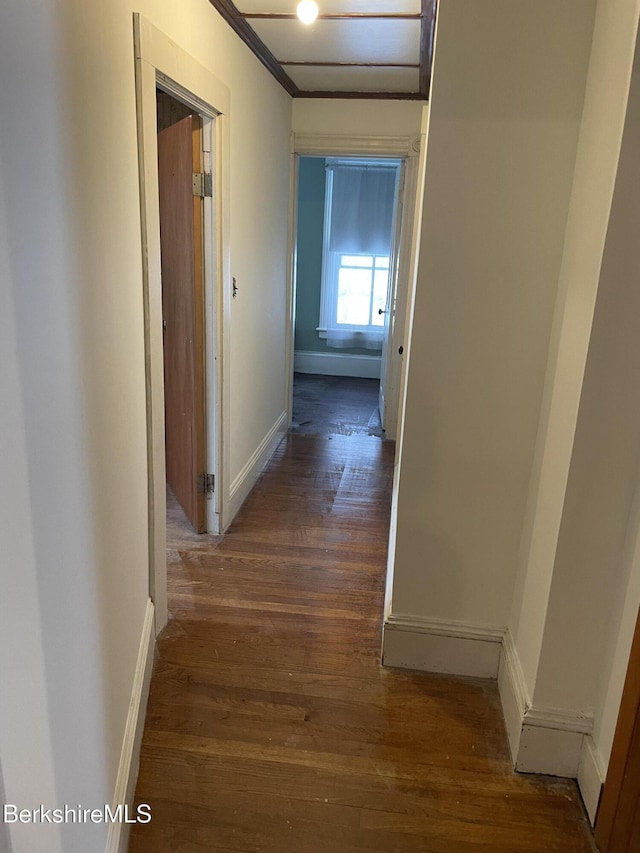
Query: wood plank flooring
{"x": 335, "y": 405}
{"x": 271, "y": 725}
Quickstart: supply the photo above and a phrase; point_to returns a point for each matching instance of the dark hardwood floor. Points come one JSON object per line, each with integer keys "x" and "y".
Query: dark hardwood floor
{"x": 335, "y": 405}
{"x": 271, "y": 725}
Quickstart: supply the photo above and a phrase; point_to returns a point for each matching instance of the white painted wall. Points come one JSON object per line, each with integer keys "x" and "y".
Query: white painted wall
{"x": 27, "y": 760}
{"x": 596, "y": 165}
{"x": 604, "y": 462}
{"x": 355, "y": 117}
{"x": 260, "y": 145}
{"x": 578, "y": 586}
{"x": 74, "y": 495}
{"x": 585, "y": 533}
{"x": 501, "y": 149}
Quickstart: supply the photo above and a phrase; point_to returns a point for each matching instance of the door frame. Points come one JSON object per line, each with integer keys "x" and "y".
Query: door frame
{"x": 627, "y": 735}
{"x": 160, "y": 63}
{"x": 406, "y": 149}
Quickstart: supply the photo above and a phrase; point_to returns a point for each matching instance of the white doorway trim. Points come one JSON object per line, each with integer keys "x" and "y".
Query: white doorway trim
{"x": 159, "y": 62}
{"x": 407, "y": 149}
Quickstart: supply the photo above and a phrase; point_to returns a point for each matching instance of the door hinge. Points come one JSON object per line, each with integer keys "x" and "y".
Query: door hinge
{"x": 206, "y": 483}
{"x": 202, "y": 184}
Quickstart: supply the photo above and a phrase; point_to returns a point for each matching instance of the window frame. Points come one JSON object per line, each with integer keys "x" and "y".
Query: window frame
{"x": 331, "y": 259}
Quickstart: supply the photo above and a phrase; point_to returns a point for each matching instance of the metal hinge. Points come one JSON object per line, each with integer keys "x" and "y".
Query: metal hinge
{"x": 206, "y": 483}
{"x": 202, "y": 184}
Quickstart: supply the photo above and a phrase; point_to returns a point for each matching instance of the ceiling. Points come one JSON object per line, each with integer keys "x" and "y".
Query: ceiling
{"x": 355, "y": 48}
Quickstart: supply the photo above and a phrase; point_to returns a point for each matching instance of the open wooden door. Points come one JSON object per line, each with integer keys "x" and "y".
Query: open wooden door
{"x": 181, "y": 237}
{"x": 618, "y": 822}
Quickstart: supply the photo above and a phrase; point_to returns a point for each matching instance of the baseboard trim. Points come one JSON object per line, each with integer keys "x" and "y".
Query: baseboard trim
{"x": 248, "y": 477}
{"x": 118, "y": 833}
{"x": 337, "y": 364}
{"x": 433, "y": 645}
{"x": 541, "y": 740}
{"x": 591, "y": 776}
{"x": 547, "y": 750}
{"x": 513, "y": 693}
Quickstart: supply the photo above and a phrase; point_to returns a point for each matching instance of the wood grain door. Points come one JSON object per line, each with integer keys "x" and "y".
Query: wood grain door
{"x": 181, "y": 237}
{"x": 618, "y": 823}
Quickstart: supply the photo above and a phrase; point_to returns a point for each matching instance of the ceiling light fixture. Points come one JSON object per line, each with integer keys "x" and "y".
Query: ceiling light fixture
{"x": 307, "y": 11}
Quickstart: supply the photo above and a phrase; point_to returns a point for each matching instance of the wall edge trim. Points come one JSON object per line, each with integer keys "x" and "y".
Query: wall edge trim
{"x": 565, "y": 721}
{"x": 118, "y": 833}
{"x": 326, "y": 143}
{"x": 446, "y": 628}
{"x": 591, "y": 777}
{"x": 541, "y": 739}
{"x": 433, "y": 645}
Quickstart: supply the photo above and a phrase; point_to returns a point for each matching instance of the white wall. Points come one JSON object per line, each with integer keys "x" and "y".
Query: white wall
{"x": 501, "y": 149}
{"x": 604, "y": 462}
{"x": 74, "y": 497}
{"x": 585, "y": 625}
{"x": 353, "y": 117}
{"x": 27, "y": 760}
{"x": 596, "y": 165}
{"x": 577, "y": 591}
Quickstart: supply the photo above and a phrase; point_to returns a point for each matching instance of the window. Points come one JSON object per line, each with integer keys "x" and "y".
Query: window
{"x": 359, "y": 224}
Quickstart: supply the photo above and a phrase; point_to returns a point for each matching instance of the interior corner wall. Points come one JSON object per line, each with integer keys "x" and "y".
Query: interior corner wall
{"x": 71, "y": 269}
{"x": 603, "y": 475}
{"x": 501, "y": 150}
{"x": 589, "y": 218}
{"x": 605, "y": 465}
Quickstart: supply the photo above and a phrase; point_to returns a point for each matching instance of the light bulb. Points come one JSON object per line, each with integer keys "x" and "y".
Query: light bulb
{"x": 307, "y": 11}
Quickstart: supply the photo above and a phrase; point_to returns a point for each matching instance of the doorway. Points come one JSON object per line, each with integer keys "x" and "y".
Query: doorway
{"x": 346, "y": 273}
{"x": 326, "y": 355}
{"x": 181, "y": 202}
{"x": 162, "y": 65}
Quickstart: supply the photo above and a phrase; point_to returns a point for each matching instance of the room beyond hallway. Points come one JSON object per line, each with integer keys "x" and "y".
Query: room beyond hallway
{"x": 335, "y": 405}
{"x": 271, "y": 725}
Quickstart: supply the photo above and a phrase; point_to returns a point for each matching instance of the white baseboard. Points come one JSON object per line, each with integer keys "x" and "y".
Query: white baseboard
{"x": 513, "y": 693}
{"x": 542, "y": 740}
{"x": 591, "y": 776}
{"x": 554, "y": 752}
{"x": 432, "y": 645}
{"x": 118, "y": 833}
{"x": 248, "y": 477}
{"x": 337, "y": 364}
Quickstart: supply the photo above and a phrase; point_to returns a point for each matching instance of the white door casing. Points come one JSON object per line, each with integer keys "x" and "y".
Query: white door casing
{"x": 159, "y": 62}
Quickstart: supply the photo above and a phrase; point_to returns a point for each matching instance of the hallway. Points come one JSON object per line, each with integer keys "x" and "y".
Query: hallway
{"x": 271, "y": 725}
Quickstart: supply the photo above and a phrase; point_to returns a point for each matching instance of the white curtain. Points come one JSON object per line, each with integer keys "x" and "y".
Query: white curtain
{"x": 362, "y": 201}
{"x": 347, "y": 338}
